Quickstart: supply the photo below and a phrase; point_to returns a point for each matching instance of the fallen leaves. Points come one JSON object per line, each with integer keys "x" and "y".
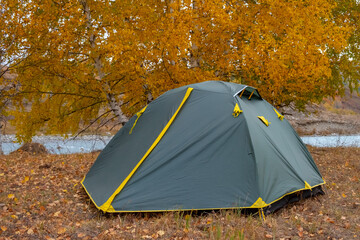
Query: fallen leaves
{"x": 300, "y": 231}
{"x": 44, "y": 209}
{"x": 81, "y": 235}
{"x": 57, "y": 214}
{"x": 160, "y": 233}
{"x": 329, "y": 220}
{"x": 268, "y": 236}
{"x": 26, "y": 178}
{"x": 61, "y": 230}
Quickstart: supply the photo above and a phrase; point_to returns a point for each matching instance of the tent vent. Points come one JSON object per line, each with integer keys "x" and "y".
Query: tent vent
{"x": 237, "y": 110}
{"x": 281, "y": 117}
{"x": 266, "y": 122}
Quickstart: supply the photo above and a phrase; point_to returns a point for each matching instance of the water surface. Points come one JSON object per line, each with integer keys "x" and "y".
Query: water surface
{"x": 89, "y": 143}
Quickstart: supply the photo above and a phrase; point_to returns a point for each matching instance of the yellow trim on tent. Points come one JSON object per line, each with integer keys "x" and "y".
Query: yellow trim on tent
{"x": 237, "y": 110}
{"x": 295, "y": 192}
{"x": 111, "y": 209}
{"x": 204, "y": 209}
{"x": 281, "y": 117}
{"x": 82, "y": 183}
{"x": 255, "y": 205}
{"x": 259, "y": 203}
{"x": 105, "y": 207}
{"x": 266, "y": 122}
{"x": 139, "y": 113}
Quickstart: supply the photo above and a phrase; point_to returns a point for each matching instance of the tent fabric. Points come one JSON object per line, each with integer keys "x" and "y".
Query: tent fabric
{"x": 211, "y": 145}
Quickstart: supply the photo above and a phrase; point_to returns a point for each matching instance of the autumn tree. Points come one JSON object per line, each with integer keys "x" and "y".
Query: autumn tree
{"x": 93, "y": 61}
{"x": 11, "y": 54}
{"x": 88, "y": 62}
{"x": 281, "y": 47}
{"x": 345, "y": 65}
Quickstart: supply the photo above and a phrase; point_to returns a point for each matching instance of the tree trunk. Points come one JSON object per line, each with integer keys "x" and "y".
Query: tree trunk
{"x": 194, "y": 61}
{"x": 115, "y": 105}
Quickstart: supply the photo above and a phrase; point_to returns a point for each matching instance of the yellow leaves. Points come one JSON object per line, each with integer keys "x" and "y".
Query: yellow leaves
{"x": 12, "y": 197}
{"x": 26, "y": 178}
{"x": 160, "y": 233}
{"x": 145, "y": 49}
{"x": 57, "y": 214}
{"x": 3, "y": 228}
{"x": 61, "y": 230}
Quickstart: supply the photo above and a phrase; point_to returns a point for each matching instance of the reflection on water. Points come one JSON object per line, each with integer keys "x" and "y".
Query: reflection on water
{"x": 89, "y": 143}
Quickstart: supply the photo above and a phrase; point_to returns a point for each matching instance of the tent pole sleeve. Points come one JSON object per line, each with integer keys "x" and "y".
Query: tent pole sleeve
{"x": 107, "y": 204}
{"x": 138, "y": 116}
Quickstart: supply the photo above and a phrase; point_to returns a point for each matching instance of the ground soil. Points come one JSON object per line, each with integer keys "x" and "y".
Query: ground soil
{"x": 332, "y": 116}
{"x": 41, "y": 198}
{"x": 324, "y": 122}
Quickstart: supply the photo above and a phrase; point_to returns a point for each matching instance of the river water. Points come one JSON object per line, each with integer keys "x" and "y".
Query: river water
{"x": 89, "y": 143}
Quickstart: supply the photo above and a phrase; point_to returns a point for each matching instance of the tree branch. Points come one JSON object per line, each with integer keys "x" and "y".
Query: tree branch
{"x": 91, "y": 123}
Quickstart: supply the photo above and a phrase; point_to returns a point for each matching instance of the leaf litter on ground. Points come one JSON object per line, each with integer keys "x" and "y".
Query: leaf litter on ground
{"x": 41, "y": 198}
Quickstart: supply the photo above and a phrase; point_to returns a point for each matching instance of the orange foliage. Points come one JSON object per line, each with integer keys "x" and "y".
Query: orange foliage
{"x": 87, "y": 62}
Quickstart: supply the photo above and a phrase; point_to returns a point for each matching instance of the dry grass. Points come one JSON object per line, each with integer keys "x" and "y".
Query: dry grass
{"x": 41, "y": 198}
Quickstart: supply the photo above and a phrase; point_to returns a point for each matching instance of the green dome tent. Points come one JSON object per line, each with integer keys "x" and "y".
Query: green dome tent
{"x": 211, "y": 145}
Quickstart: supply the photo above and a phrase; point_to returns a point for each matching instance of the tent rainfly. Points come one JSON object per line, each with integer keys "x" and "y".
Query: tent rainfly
{"x": 210, "y": 145}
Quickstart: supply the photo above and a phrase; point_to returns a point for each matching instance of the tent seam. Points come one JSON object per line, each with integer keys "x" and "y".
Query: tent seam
{"x": 201, "y": 209}
{"x": 82, "y": 183}
{"x": 105, "y": 206}
{"x": 251, "y": 145}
